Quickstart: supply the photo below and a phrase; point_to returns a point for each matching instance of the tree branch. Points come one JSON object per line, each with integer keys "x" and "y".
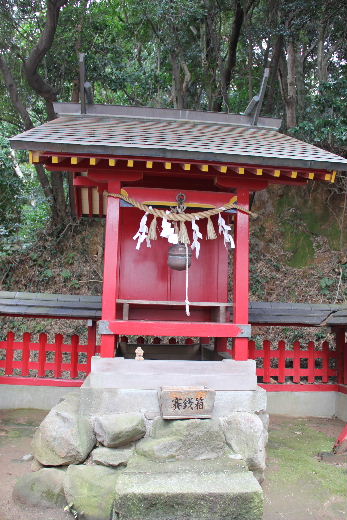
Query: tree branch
{"x": 14, "y": 95}
{"x": 31, "y": 65}
{"x": 232, "y": 45}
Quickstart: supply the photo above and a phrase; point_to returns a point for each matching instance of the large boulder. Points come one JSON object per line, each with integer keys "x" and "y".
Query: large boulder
{"x": 64, "y": 436}
{"x": 90, "y": 491}
{"x": 43, "y": 488}
{"x": 246, "y": 435}
{"x": 183, "y": 439}
{"x": 111, "y": 456}
{"x": 119, "y": 429}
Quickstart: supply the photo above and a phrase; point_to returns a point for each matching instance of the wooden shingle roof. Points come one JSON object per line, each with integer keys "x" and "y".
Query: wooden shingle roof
{"x": 217, "y": 137}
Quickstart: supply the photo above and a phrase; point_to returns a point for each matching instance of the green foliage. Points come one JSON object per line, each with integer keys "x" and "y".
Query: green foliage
{"x": 47, "y": 274}
{"x": 23, "y": 208}
{"x": 299, "y": 243}
{"x": 11, "y": 195}
{"x": 325, "y": 119}
{"x": 143, "y": 53}
{"x": 327, "y": 285}
{"x": 70, "y": 257}
{"x": 66, "y": 274}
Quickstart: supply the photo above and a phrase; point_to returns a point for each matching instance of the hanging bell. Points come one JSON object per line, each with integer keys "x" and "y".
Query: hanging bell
{"x": 177, "y": 257}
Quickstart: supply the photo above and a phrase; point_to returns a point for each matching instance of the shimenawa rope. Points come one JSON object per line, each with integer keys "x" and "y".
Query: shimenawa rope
{"x": 180, "y": 217}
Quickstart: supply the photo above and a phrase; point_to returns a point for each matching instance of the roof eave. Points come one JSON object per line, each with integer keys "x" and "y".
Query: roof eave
{"x": 197, "y": 155}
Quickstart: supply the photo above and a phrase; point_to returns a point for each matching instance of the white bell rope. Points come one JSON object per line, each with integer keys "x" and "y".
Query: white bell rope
{"x": 186, "y": 301}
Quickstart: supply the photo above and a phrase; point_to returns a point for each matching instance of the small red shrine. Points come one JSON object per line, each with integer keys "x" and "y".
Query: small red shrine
{"x": 126, "y": 158}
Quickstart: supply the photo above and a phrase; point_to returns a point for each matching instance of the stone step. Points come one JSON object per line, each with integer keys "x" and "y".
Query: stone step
{"x": 217, "y": 489}
{"x": 153, "y": 374}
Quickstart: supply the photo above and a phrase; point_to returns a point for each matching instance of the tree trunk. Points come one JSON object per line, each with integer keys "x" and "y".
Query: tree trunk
{"x": 300, "y": 79}
{"x": 250, "y": 70}
{"x": 59, "y": 215}
{"x": 322, "y": 57}
{"x": 274, "y": 64}
{"x": 72, "y": 200}
{"x": 176, "y": 82}
{"x": 291, "y": 79}
{"x": 230, "y": 61}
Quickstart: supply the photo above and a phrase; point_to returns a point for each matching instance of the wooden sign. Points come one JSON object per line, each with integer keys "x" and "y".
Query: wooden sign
{"x": 186, "y": 402}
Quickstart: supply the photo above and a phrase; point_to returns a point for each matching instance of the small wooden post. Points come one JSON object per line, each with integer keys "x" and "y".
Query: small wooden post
{"x": 91, "y": 348}
{"x": 267, "y": 360}
{"x": 42, "y": 354}
{"x": 74, "y": 356}
{"x": 26, "y": 353}
{"x": 281, "y": 361}
{"x": 241, "y": 273}
{"x": 311, "y": 364}
{"x": 296, "y": 362}
{"x": 341, "y": 350}
{"x": 221, "y": 344}
{"x": 325, "y": 358}
{"x": 9, "y": 354}
{"x": 58, "y": 355}
{"x": 111, "y": 268}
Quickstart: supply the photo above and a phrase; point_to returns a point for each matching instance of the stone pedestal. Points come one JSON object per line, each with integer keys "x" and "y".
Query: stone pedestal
{"x": 125, "y": 461}
{"x": 124, "y": 385}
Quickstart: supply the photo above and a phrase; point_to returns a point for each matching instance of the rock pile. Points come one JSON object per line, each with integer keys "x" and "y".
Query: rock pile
{"x": 123, "y": 466}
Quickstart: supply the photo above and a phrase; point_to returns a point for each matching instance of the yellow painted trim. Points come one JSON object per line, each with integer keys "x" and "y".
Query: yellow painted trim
{"x": 311, "y": 176}
{"x": 130, "y": 163}
{"x": 186, "y": 167}
{"x": 277, "y": 173}
{"x": 93, "y": 161}
{"x": 240, "y": 171}
{"x": 259, "y": 171}
{"x": 167, "y": 166}
{"x": 75, "y": 160}
{"x": 222, "y": 169}
{"x": 34, "y": 157}
{"x": 124, "y": 192}
{"x": 56, "y": 159}
{"x": 149, "y": 164}
{"x": 327, "y": 177}
{"x": 112, "y": 162}
{"x": 204, "y": 167}
{"x": 333, "y": 176}
{"x": 294, "y": 175}
{"x": 174, "y": 203}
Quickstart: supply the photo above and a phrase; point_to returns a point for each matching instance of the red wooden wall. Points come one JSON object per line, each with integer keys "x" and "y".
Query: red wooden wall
{"x": 145, "y": 275}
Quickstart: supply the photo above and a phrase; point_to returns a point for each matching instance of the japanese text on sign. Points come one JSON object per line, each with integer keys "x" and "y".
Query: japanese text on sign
{"x": 186, "y": 402}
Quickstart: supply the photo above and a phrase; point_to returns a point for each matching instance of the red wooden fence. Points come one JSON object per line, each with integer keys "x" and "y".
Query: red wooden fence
{"x": 314, "y": 363}
{"x": 67, "y": 364}
{"x": 61, "y": 363}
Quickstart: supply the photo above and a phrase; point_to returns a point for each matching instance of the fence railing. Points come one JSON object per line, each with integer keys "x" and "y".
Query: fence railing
{"x": 305, "y": 364}
{"x": 56, "y": 360}
{"x": 68, "y": 363}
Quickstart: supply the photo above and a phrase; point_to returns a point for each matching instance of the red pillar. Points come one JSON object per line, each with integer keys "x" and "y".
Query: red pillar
{"x": 241, "y": 273}
{"x": 111, "y": 266}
